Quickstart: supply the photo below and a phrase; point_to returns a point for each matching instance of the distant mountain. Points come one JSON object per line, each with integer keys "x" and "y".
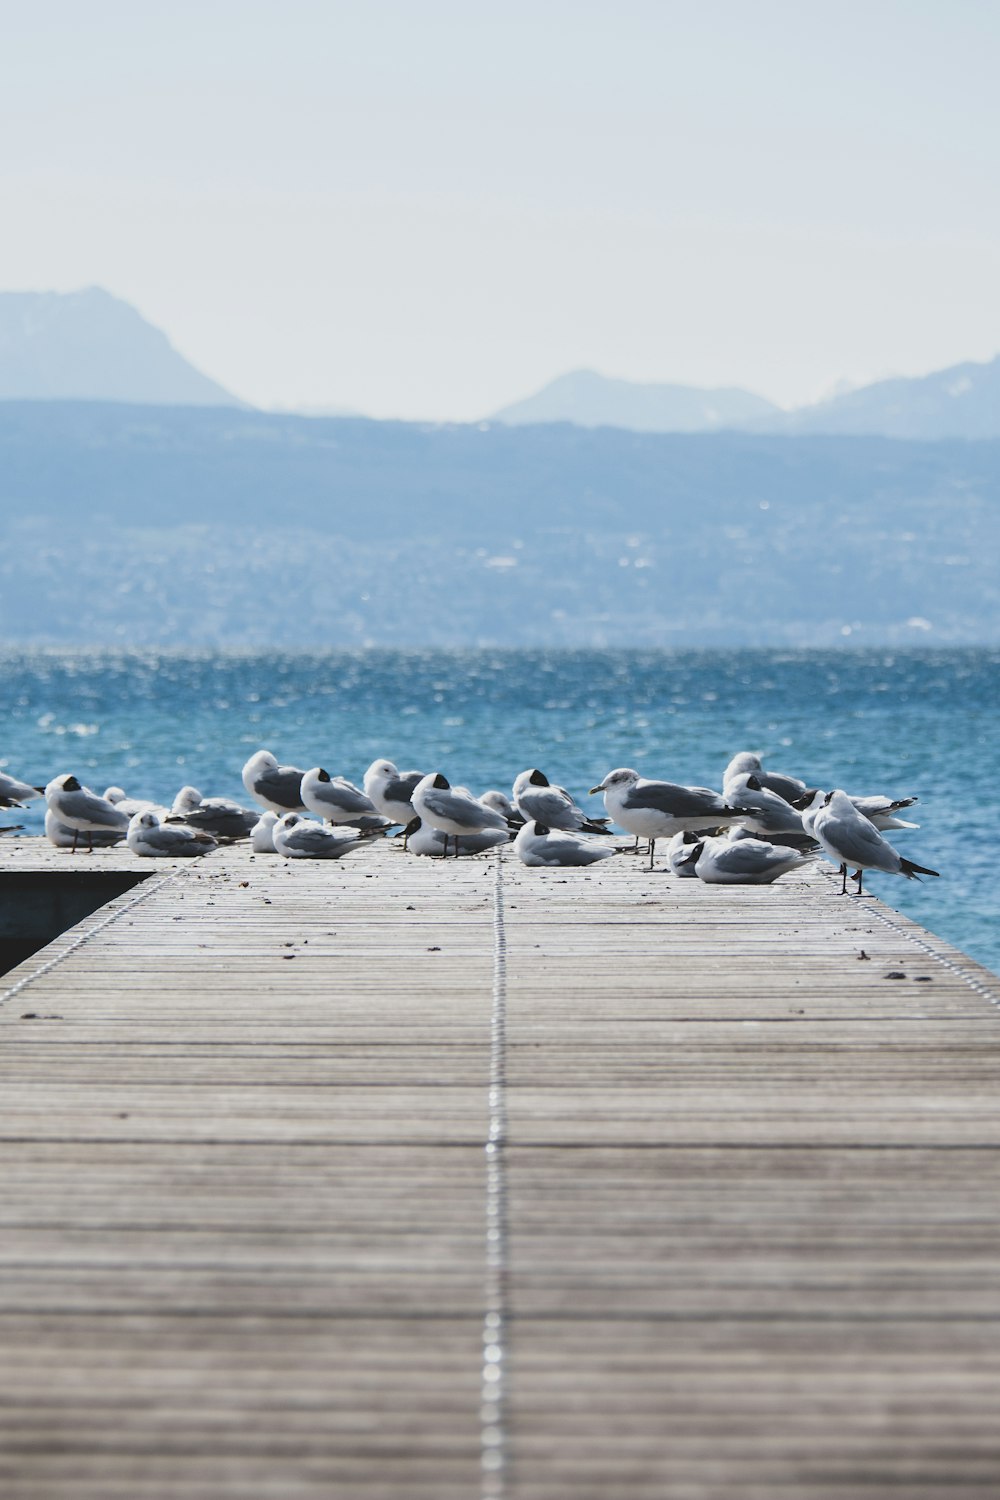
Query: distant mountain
{"x": 589, "y": 399}
{"x": 171, "y": 526}
{"x": 960, "y": 402}
{"x": 89, "y": 345}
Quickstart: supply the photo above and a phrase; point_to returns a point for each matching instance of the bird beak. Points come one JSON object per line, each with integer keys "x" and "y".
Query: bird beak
{"x": 595, "y": 789}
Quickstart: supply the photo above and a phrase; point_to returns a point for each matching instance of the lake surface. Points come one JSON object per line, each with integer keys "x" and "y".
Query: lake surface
{"x": 901, "y": 723}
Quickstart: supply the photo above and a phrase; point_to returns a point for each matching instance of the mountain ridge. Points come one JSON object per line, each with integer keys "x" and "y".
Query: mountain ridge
{"x": 90, "y": 345}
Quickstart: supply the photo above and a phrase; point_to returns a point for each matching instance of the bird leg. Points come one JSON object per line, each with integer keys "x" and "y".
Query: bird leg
{"x": 76, "y": 835}
{"x": 859, "y": 876}
{"x": 444, "y": 851}
{"x": 843, "y": 881}
{"x": 90, "y": 841}
{"x": 652, "y": 846}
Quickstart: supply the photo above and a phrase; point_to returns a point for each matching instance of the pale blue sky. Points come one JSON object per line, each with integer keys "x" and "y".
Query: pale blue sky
{"x": 428, "y": 209}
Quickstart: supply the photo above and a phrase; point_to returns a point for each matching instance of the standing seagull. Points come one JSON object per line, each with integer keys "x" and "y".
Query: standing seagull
{"x": 453, "y": 811}
{"x": 849, "y": 838}
{"x": 422, "y": 839}
{"x": 659, "y": 809}
{"x": 273, "y": 786}
{"x": 79, "y": 808}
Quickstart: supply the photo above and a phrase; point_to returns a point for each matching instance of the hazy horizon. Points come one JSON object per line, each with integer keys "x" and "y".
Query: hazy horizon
{"x": 431, "y": 212}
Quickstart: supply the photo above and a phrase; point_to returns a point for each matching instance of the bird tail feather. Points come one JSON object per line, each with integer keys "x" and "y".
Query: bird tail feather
{"x": 912, "y": 871}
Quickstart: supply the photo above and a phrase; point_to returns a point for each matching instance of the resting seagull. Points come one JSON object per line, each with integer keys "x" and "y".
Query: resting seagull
{"x": 391, "y": 790}
{"x": 14, "y": 793}
{"x": 150, "y": 839}
{"x": 219, "y": 816}
{"x": 301, "y": 838}
{"x": 273, "y": 786}
{"x": 537, "y": 800}
{"x": 659, "y": 809}
{"x": 849, "y": 838}
{"x": 765, "y": 812}
{"x": 719, "y": 861}
{"x": 748, "y": 764}
{"x": 540, "y": 846}
{"x": 262, "y": 833}
{"x": 339, "y": 801}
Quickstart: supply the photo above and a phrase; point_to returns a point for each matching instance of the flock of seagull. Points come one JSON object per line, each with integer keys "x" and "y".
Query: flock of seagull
{"x": 761, "y": 826}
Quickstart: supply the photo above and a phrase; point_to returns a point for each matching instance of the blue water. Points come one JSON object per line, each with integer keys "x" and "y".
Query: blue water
{"x": 923, "y": 723}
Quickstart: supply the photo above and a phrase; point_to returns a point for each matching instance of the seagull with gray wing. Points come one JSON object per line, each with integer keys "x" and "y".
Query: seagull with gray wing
{"x": 537, "y": 800}
{"x": 273, "y": 786}
{"x": 659, "y": 809}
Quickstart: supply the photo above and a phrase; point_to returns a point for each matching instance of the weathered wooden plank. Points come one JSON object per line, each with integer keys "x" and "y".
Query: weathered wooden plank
{"x": 751, "y": 1189}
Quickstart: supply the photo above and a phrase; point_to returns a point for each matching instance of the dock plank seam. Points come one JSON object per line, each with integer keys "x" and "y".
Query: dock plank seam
{"x": 493, "y": 1433}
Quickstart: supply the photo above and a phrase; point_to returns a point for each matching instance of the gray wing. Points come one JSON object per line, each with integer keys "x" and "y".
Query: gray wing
{"x": 91, "y": 808}
{"x": 176, "y": 840}
{"x": 319, "y": 841}
{"x": 477, "y": 843}
{"x": 855, "y": 840}
{"x": 786, "y": 787}
{"x": 675, "y": 801}
{"x": 549, "y": 806}
{"x": 572, "y": 852}
{"x": 352, "y": 799}
{"x": 462, "y": 810}
{"x": 282, "y": 785}
{"x": 227, "y": 820}
{"x": 400, "y": 789}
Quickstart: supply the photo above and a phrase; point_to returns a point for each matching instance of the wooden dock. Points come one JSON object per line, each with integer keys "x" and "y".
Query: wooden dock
{"x": 390, "y": 1179}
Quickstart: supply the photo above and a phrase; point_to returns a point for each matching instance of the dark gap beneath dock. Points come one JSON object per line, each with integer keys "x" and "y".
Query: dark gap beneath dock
{"x": 37, "y": 907}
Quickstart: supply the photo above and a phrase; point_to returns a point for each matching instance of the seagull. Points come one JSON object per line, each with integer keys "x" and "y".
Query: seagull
{"x": 422, "y": 839}
{"x": 79, "y": 808}
{"x": 748, "y": 764}
{"x": 682, "y": 853}
{"x": 132, "y": 805}
{"x": 659, "y": 809}
{"x": 273, "y": 786}
{"x": 262, "y": 833}
{"x": 151, "y": 839}
{"x": 721, "y": 861}
{"x": 301, "y": 838}
{"x": 538, "y": 800}
{"x": 339, "y": 801}
{"x": 218, "y": 816}
{"x": 764, "y": 811}
{"x": 63, "y": 837}
{"x": 849, "y": 838}
{"x": 14, "y": 793}
{"x": 538, "y": 845}
{"x": 880, "y": 811}
{"x": 501, "y": 803}
{"x": 391, "y": 790}
{"x": 452, "y": 810}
